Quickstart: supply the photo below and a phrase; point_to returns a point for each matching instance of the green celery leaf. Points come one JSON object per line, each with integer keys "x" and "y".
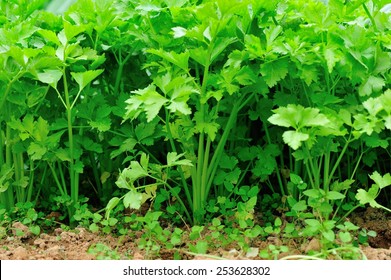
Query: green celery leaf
{"x": 72, "y": 30}
{"x": 294, "y": 138}
{"x": 373, "y": 106}
{"x": 274, "y": 71}
{"x": 369, "y": 196}
{"x": 332, "y": 57}
{"x": 371, "y": 85}
{"x": 36, "y": 151}
{"x": 334, "y": 195}
{"x": 144, "y": 132}
{"x": 200, "y": 55}
{"x": 101, "y": 125}
{"x": 381, "y": 181}
{"x": 84, "y": 78}
{"x": 173, "y": 159}
{"x": 286, "y": 116}
{"x": 179, "y": 59}
{"x": 133, "y": 200}
{"x": 50, "y": 77}
{"x": 340, "y": 186}
{"x": 208, "y": 126}
{"x": 49, "y": 36}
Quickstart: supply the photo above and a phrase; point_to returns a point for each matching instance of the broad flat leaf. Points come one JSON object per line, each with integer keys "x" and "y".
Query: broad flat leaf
{"x": 179, "y": 59}
{"x": 41, "y": 130}
{"x": 300, "y": 206}
{"x": 329, "y": 235}
{"x": 90, "y": 145}
{"x": 129, "y": 175}
{"x": 101, "y": 125}
{"x": 313, "y": 193}
{"x": 340, "y": 186}
{"x": 385, "y": 99}
{"x": 253, "y": 45}
{"x": 153, "y": 103}
{"x": 200, "y": 55}
{"x": 175, "y": 3}
{"x": 369, "y": 196}
{"x": 372, "y": 84}
{"x": 208, "y": 126}
{"x": 312, "y": 117}
{"x": 228, "y": 162}
{"x": 133, "y": 200}
{"x": 35, "y": 229}
{"x": 63, "y": 154}
{"x": 173, "y": 159}
{"x": 387, "y": 121}
{"x": 50, "y": 77}
{"x": 71, "y": 30}
{"x": 207, "y": 34}
{"x": 381, "y": 181}
{"x": 145, "y": 132}
{"x": 179, "y": 31}
{"x": 365, "y": 123}
{"x": 345, "y": 237}
{"x": 297, "y": 116}
{"x": 36, "y": 151}
{"x": 294, "y": 138}
{"x": 334, "y": 195}
{"x": 325, "y": 208}
{"x": 79, "y": 166}
{"x": 274, "y": 71}
{"x": 22, "y": 182}
{"x": 373, "y": 106}
{"x": 313, "y": 223}
{"x": 105, "y": 175}
{"x": 84, "y": 78}
{"x": 331, "y": 58}
{"x": 374, "y": 141}
{"x": 323, "y": 99}
{"x": 220, "y": 45}
{"x": 49, "y": 36}
{"x": 295, "y": 179}
{"x": 272, "y": 33}
{"x": 179, "y": 99}
{"x": 285, "y": 116}
{"x": 36, "y": 96}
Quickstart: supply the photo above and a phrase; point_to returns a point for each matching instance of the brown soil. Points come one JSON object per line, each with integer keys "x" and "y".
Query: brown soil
{"x": 74, "y": 245}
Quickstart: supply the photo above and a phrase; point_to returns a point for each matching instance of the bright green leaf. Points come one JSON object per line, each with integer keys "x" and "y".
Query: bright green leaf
{"x": 294, "y": 138}
{"x": 334, "y": 195}
{"x": 133, "y": 200}
{"x": 381, "y": 181}
{"x": 84, "y": 78}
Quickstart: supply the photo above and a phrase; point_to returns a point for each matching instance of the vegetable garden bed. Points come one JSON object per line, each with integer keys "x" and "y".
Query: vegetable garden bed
{"x": 259, "y": 129}
{"x": 81, "y": 244}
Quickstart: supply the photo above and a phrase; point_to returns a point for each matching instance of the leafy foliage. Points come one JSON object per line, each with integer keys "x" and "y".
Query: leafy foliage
{"x": 195, "y": 108}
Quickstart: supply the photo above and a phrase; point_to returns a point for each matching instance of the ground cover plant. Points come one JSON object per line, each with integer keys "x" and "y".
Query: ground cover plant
{"x": 197, "y": 125}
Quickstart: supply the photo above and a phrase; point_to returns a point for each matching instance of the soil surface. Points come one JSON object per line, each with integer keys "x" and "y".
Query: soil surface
{"x": 80, "y": 244}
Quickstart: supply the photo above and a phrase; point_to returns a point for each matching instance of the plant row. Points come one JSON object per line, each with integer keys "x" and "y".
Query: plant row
{"x": 197, "y": 108}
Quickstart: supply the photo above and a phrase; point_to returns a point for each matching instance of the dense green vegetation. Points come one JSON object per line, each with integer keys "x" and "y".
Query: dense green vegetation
{"x": 207, "y": 113}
